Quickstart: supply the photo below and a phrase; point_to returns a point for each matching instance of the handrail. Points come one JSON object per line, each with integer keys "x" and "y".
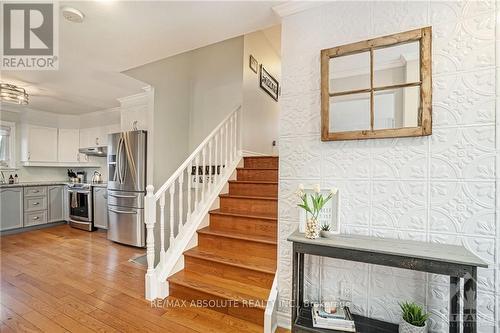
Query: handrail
{"x": 191, "y": 157}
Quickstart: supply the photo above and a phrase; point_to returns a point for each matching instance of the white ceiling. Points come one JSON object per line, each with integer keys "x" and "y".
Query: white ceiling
{"x": 119, "y": 35}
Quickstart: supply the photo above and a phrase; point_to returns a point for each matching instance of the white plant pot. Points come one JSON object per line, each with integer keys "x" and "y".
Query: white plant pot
{"x": 405, "y": 327}
{"x": 326, "y": 234}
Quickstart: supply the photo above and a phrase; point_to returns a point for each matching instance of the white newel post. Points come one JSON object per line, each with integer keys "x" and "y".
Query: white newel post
{"x": 150, "y": 214}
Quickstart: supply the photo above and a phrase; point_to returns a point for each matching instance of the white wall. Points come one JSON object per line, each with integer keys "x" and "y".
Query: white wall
{"x": 216, "y": 77}
{"x": 260, "y": 111}
{"x": 194, "y": 91}
{"x": 439, "y": 188}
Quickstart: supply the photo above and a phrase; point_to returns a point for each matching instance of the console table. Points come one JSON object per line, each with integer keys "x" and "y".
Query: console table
{"x": 454, "y": 261}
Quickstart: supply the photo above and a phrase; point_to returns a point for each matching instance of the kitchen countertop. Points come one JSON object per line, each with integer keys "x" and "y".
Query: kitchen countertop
{"x": 39, "y": 183}
{"x": 46, "y": 183}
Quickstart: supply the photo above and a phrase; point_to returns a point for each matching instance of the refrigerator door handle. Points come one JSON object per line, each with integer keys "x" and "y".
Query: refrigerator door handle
{"x": 122, "y": 196}
{"x": 122, "y": 211}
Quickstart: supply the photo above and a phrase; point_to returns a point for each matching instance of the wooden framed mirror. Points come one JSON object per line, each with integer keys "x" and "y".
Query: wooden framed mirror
{"x": 378, "y": 88}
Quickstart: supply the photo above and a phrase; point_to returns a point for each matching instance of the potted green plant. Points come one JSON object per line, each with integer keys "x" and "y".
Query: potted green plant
{"x": 312, "y": 204}
{"x": 326, "y": 231}
{"x": 414, "y": 318}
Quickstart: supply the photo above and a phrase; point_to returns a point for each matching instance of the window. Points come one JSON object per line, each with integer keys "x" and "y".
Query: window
{"x": 378, "y": 88}
{"x": 7, "y": 144}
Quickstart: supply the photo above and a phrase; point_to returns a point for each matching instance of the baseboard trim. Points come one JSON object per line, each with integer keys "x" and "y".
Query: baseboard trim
{"x": 284, "y": 320}
{"x": 31, "y": 228}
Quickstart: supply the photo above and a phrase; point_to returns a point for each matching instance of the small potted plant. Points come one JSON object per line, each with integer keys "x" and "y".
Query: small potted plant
{"x": 414, "y": 318}
{"x": 326, "y": 231}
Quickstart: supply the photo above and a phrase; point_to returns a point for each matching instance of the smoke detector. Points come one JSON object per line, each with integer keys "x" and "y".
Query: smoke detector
{"x": 72, "y": 14}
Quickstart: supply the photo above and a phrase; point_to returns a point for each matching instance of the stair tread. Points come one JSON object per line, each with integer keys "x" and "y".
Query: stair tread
{"x": 246, "y": 168}
{"x": 227, "y": 195}
{"x": 260, "y": 217}
{"x": 238, "y": 235}
{"x": 262, "y": 156}
{"x": 235, "y": 259}
{"x": 267, "y": 182}
{"x": 220, "y": 287}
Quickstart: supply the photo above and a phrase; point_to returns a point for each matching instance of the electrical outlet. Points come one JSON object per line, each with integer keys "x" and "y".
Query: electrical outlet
{"x": 346, "y": 291}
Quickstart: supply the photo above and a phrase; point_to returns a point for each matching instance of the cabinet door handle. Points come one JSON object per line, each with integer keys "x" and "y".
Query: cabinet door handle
{"x": 122, "y": 211}
{"x": 36, "y": 191}
{"x": 35, "y": 203}
{"x": 29, "y": 156}
{"x": 36, "y": 218}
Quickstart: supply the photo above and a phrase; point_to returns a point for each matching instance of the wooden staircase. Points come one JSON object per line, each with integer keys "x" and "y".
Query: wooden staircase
{"x": 232, "y": 268}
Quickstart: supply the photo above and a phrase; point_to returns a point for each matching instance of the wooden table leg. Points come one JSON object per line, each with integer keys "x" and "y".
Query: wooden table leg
{"x": 454, "y": 316}
{"x": 470, "y": 301}
{"x": 294, "y": 305}
{"x": 301, "y": 280}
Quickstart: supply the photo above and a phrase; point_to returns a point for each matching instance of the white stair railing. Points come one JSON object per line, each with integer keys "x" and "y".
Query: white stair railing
{"x": 186, "y": 206}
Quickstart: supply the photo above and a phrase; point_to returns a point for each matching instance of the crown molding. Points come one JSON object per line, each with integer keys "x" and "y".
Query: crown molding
{"x": 292, "y": 7}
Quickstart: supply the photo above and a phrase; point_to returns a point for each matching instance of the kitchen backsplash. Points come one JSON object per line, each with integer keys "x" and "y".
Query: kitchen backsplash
{"x": 30, "y": 174}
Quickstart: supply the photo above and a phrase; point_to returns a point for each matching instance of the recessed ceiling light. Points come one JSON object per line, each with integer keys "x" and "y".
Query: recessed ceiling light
{"x": 72, "y": 14}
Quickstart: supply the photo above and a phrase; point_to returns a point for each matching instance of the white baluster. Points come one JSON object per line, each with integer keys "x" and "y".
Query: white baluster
{"x": 203, "y": 172}
{"x": 150, "y": 220}
{"x": 231, "y": 124}
{"x": 172, "y": 193}
{"x": 190, "y": 182}
{"x": 235, "y": 134}
{"x": 216, "y": 178}
{"x": 197, "y": 163}
{"x": 162, "y": 226}
{"x": 226, "y": 147}
{"x": 210, "y": 152}
{"x": 181, "y": 223}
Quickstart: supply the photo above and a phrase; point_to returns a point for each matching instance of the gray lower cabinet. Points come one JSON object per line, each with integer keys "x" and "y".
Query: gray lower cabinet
{"x": 56, "y": 203}
{"x": 11, "y": 211}
{"x": 101, "y": 207}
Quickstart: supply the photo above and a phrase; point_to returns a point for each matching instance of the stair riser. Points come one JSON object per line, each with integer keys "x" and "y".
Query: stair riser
{"x": 249, "y": 174}
{"x": 261, "y": 162}
{"x": 248, "y": 226}
{"x": 250, "y": 206}
{"x": 252, "y": 314}
{"x": 231, "y": 245}
{"x": 244, "y": 275}
{"x": 261, "y": 190}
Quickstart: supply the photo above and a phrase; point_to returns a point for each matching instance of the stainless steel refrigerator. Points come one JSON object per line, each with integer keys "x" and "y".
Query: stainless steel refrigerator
{"x": 127, "y": 187}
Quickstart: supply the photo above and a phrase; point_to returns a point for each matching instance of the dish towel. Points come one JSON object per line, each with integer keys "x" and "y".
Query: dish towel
{"x": 74, "y": 201}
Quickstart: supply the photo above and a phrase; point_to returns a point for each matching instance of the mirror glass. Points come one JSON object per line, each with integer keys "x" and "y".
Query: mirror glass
{"x": 397, "y": 64}
{"x": 396, "y": 108}
{"x": 350, "y": 72}
{"x": 350, "y": 112}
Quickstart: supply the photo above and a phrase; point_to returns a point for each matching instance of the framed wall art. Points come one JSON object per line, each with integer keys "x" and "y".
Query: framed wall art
{"x": 253, "y": 64}
{"x": 268, "y": 83}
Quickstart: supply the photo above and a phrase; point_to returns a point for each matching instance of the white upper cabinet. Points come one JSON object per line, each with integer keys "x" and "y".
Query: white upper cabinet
{"x": 39, "y": 144}
{"x": 69, "y": 142}
{"x": 97, "y": 136}
{"x": 134, "y": 111}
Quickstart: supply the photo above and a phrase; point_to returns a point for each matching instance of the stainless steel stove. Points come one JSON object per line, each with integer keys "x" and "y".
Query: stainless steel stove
{"x": 80, "y": 206}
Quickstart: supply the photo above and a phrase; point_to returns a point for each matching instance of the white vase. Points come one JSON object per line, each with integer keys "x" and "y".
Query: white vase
{"x": 405, "y": 327}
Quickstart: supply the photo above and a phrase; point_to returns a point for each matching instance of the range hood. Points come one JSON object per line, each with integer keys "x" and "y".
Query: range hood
{"x": 95, "y": 151}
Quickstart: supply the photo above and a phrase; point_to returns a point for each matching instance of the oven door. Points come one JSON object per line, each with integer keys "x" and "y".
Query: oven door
{"x": 80, "y": 205}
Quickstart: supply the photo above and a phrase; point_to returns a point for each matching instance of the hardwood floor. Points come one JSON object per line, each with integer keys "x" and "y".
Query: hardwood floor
{"x": 65, "y": 280}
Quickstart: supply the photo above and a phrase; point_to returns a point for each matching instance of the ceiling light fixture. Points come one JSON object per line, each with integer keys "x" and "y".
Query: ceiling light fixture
{"x": 72, "y": 14}
{"x": 13, "y": 94}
